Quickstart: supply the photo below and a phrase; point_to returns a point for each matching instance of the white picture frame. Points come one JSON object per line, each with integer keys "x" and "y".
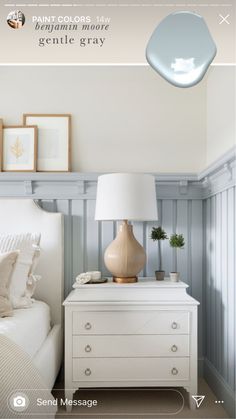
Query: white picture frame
{"x": 19, "y": 148}
{"x": 54, "y": 138}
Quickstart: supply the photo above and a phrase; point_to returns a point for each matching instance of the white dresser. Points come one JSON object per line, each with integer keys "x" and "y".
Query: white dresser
{"x": 131, "y": 335}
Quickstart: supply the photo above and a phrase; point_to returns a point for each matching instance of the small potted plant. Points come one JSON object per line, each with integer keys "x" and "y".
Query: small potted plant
{"x": 159, "y": 234}
{"x": 177, "y": 242}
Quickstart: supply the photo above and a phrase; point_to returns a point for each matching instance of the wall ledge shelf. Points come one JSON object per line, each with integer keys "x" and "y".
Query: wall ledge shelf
{"x": 61, "y": 185}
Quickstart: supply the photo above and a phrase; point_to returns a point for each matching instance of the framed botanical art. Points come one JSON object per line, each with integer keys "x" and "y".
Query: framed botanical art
{"x": 1, "y": 126}
{"x": 19, "y": 148}
{"x": 54, "y": 138}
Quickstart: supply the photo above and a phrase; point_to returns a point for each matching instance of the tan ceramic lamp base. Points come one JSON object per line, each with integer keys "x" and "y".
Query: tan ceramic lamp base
{"x": 125, "y": 257}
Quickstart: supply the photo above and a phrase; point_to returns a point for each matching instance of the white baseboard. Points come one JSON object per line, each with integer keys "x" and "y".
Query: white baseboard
{"x": 220, "y": 387}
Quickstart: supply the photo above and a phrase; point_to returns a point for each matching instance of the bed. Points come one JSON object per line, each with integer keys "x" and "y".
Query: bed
{"x": 28, "y": 327}
{"x": 38, "y": 330}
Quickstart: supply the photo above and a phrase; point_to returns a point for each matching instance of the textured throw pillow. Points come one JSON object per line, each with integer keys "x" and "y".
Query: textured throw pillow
{"x": 7, "y": 262}
{"x": 28, "y": 245}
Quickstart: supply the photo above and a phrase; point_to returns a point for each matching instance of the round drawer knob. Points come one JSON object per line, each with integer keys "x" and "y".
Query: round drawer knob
{"x": 174, "y": 371}
{"x": 88, "y": 326}
{"x": 174, "y": 348}
{"x": 87, "y": 348}
{"x": 88, "y": 372}
{"x": 174, "y": 325}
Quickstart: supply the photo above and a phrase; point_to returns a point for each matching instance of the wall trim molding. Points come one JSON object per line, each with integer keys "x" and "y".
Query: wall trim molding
{"x": 88, "y": 176}
{"x": 217, "y": 177}
{"x": 83, "y": 185}
{"x": 218, "y": 164}
{"x": 220, "y": 387}
{"x": 220, "y": 176}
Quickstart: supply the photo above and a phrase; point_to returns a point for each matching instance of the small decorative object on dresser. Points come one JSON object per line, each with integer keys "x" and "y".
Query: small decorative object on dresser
{"x": 19, "y": 148}
{"x": 54, "y": 132}
{"x": 131, "y": 335}
{"x": 93, "y": 277}
{"x": 159, "y": 234}
{"x": 177, "y": 242}
{"x": 123, "y": 197}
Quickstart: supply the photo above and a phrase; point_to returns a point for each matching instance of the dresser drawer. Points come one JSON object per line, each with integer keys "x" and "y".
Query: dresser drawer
{"x": 130, "y": 369}
{"x": 130, "y": 322}
{"x": 131, "y": 346}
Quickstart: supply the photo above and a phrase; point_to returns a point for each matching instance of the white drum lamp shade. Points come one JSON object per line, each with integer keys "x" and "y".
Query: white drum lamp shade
{"x": 125, "y": 196}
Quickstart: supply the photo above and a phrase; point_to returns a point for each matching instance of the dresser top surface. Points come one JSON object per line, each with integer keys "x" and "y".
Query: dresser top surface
{"x": 146, "y": 289}
{"x": 148, "y": 282}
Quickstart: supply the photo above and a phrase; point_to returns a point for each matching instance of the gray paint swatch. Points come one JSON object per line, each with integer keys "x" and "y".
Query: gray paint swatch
{"x": 181, "y": 49}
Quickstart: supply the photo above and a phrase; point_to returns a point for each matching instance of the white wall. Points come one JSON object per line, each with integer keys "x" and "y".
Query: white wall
{"x": 124, "y": 118}
{"x": 221, "y": 112}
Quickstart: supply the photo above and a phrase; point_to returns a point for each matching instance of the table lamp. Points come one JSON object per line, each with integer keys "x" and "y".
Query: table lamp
{"x": 123, "y": 197}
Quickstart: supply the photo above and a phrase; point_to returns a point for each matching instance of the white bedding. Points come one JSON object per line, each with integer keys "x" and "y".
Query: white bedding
{"x": 28, "y": 327}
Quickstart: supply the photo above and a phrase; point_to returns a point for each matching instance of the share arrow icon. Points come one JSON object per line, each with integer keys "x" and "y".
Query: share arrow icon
{"x": 198, "y": 400}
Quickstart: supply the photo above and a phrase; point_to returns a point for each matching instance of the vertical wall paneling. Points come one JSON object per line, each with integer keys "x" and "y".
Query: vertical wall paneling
{"x": 208, "y": 278}
{"x": 204, "y": 277}
{"x": 77, "y": 213}
{"x": 106, "y": 238}
{"x": 195, "y": 257}
{"x": 231, "y": 284}
{"x": 189, "y": 238}
{"x": 159, "y": 209}
{"x": 146, "y": 237}
{"x": 182, "y": 227}
{"x": 167, "y": 224}
{"x": 64, "y": 206}
{"x": 220, "y": 289}
{"x": 213, "y": 279}
{"x": 234, "y": 281}
{"x": 151, "y": 246}
{"x": 218, "y": 282}
{"x": 100, "y": 258}
{"x": 224, "y": 290}
{"x": 138, "y": 229}
{"x": 152, "y": 251}
{"x": 85, "y": 262}
{"x": 174, "y": 225}
{"x": 93, "y": 239}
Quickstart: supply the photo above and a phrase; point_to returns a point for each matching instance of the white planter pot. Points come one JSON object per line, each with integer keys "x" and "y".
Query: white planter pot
{"x": 174, "y": 276}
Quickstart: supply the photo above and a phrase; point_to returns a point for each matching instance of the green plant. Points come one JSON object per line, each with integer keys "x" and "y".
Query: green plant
{"x": 158, "y": 234}
{"x": 177, "y": 241}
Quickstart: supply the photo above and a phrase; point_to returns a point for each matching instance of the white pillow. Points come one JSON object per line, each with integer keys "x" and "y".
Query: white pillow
{"x": 28, "y": 245}
{"x": 7, "y": 262}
